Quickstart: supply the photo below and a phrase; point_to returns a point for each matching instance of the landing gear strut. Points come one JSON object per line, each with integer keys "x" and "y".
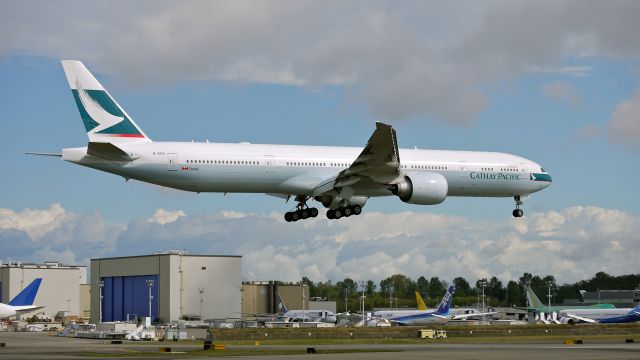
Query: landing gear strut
{"x": 302, "y": 210}
{"x": 517, "y": 212}
{"x": 346, "y": 211}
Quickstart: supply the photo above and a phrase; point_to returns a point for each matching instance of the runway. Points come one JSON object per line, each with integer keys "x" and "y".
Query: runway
{"x": 41, "y": 346}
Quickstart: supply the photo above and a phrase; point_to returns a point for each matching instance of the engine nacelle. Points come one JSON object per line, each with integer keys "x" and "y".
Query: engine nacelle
{"x": 332, "y": 202}
{"x": 421, "y": 188}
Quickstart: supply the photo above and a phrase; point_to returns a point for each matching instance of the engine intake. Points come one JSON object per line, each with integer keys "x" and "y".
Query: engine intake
{"x": 421, "y": 188}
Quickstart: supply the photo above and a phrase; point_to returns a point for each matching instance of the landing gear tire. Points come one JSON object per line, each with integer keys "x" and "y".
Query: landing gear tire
{"x": 337, "y": 213}
{"x": 518, "y": 211}
{"x": 313, "y": 212}
{"x": 287, "y": 216}
{"x": 347, "y": 211}
{"x": 295, "y": 216}
{"x": 356, "y": 209}
{"x": 304, "y": 213}
{"x": 330, "y": 214}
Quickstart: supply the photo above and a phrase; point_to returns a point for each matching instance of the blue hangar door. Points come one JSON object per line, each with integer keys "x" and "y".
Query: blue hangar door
{"x": 128, "y": 296}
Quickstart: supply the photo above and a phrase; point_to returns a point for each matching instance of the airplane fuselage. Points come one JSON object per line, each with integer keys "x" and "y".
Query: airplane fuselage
{"x": 293, "y": 169}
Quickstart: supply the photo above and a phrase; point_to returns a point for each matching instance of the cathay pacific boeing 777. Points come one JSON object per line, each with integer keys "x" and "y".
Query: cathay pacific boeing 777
{"x": 342, "y": 179}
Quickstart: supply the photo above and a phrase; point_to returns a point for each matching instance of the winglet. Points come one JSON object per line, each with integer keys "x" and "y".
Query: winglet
{"x": 27, "y": 295}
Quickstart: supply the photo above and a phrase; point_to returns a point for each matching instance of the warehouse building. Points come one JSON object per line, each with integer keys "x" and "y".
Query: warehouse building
{"x": 63, "y": 291}
{"x": 168, "y": 287}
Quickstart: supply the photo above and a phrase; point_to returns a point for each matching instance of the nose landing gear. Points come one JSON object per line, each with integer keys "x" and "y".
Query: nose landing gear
{"x": 517, "y": 212}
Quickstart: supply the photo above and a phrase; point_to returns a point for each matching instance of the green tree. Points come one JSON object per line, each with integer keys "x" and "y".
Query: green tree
{"x": 436, "y": 287}
{"x": 462, "y": 286}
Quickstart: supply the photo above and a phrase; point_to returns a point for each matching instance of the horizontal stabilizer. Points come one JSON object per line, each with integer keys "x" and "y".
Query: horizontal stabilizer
{"x": 43, "y": 154}
{"x": 108, "y": 151}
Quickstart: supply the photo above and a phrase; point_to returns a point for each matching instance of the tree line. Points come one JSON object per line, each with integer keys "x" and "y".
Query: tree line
{"x": 399, "y": 290}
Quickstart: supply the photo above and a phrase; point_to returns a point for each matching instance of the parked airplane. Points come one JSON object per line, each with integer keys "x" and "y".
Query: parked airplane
{"x": 305, "y": 315}
{"x": 421, "y": 317}
{"x": 537, "y": 306}
{"x": 420, "y": 302}
{"x": 342, "y": 179}
{"x": 459, "y": 313}
{"x": 23, "y": 302}
{"x": 604, "y": 316}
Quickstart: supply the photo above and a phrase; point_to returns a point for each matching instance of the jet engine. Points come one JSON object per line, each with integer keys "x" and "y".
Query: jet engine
{"x": 332, "y": 202}
{"x": 421, "y": 188}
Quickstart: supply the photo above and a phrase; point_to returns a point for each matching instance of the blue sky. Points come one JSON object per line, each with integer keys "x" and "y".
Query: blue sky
{"x": 560, "y": 96}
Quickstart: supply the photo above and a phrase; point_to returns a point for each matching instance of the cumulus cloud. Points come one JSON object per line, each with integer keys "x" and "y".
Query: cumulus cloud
{"x": 421, "y": 59}
{"x": 624, "y": 126}
{"x": 572, "y": 243}
{"x": 163, "y": 217}
{"x": 561, "y": 91}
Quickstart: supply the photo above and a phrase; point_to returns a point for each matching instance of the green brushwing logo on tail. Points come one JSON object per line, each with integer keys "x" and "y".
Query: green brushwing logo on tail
{"x": 101, "y": 115}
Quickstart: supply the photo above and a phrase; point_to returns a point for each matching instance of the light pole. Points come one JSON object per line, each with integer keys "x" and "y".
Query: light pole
{"x": 69, "y": 307}
{"x": 100, "y": 285}
{"x": 201, "y": 291}
{"x": 550, "y": 283}
{"x": 150, "y": 285}
{"x": 483, "y": 283}
{"x": 362, "y": 284}
{"x": 346, "y": 300}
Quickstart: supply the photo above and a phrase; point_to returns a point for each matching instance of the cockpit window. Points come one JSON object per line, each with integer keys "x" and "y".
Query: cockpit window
{"x": 542, "y": 169}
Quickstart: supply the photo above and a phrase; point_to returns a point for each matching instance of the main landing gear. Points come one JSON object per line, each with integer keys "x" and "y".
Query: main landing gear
{"x": 302, "y": 211}
{"x": 345, "y": 211}
{"x": 517, "y": 212}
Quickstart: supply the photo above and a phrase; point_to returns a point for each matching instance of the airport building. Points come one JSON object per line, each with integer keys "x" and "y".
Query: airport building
{"x": 261, "y": 297}
{"x": 619, "y": 298}
{"x": 170, "y": 286}
{"x": 63, "y": 291}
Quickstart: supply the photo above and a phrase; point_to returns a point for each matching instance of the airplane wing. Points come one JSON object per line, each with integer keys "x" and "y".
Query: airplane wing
{"x": 26, "y": 309}
{"x": 465, "y": 316}
{"x": 377, "y": 165}
{"x": 379, "y": 160}
{"x": 580, "y": 318}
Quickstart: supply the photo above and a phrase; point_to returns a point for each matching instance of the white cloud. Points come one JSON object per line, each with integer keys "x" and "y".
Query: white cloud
{"x": 34, "y": 222}
{"x": 163, "y": 217}
{"x": 624, "y": 126}
{"x": 572, "y": 243}
{"x": 420, "y": 59}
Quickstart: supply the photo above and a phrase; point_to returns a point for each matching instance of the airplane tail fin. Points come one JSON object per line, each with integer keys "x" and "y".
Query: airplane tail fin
{"x": 104, "y": 120}
{"x": 280, "y": 304}
{"x": 27, "y": 295}
{"x": 533, "y": 299}
{"x": 421, "y": 304}
{"x": 445, "y": 303}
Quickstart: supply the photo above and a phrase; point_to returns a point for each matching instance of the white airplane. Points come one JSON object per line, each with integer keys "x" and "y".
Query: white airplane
{"x": 342, "y": 179}
{"x": 600, "y": 316}
{"x": 441, "y": 315}
{"x": 23, "y": 302}
{"x": 457, "y": 313}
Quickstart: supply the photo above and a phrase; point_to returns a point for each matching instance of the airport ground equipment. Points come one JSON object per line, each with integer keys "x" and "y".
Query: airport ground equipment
{"x": 432, "y": 334}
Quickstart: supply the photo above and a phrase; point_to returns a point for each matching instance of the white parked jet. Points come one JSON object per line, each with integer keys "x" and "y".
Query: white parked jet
{"x": 23, "y": 302}
{"x": 340, "y": 178}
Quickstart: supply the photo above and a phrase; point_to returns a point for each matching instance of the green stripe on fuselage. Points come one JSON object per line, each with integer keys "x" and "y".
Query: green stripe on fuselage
{"x": 540, "y": 177}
